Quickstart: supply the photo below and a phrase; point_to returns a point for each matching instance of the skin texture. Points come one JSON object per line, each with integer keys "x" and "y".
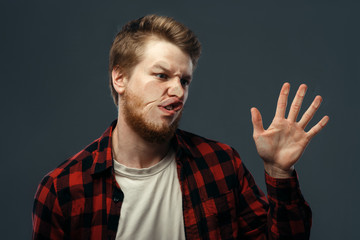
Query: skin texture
{"x": 283, "y": 143}
{"x": 162, "y": 75}
{"x": 150, "y": 131}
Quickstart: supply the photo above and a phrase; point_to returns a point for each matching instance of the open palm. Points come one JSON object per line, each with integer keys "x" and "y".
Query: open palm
{"x": 282, "y": 144}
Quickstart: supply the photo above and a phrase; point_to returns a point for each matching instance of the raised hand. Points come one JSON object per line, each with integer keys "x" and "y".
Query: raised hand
{"x": 282, "y": 144}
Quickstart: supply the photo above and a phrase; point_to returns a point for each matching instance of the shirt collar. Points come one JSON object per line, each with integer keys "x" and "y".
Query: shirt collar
{"x": 103, "y": 160}
{"x": 183, "y": 144}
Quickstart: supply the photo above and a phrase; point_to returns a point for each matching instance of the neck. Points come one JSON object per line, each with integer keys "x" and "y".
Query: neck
{"x": 132, "y": 150}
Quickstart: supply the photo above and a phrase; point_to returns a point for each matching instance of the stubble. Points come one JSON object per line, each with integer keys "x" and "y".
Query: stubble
{"x": 151, "y": 132}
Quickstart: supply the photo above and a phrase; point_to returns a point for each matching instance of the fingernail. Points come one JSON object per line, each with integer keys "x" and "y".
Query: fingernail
{"x": 317, "y": 102}
{"x": 286, "y": 90}
{"x": 302, "y": 92}
{"x": 325, "y": 121}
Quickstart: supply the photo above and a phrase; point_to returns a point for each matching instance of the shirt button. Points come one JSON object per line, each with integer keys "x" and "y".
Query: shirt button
{"x": 117, "y": 195}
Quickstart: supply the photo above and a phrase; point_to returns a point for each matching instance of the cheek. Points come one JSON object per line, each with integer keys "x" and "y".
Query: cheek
{"x": 152, "y": 91}
{"x": 186, "y": 94}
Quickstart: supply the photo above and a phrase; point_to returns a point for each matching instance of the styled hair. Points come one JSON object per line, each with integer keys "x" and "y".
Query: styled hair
{"x": 128, "y": 45}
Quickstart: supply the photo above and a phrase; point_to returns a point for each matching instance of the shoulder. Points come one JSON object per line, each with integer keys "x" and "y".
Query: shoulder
{"x": 202, "y": 146}
{"x": 213, "y": 161}
{"x": 205, "y": 154}
{"x": 94, "y": 158}
{"x": 73, "y": 172}
{"x": 80, "y": 162}
{"x": 209, "y": 162}
{"x": 73, "y": 179}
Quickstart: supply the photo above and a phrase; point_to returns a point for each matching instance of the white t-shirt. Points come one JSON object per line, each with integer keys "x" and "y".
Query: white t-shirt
{"x": 152, "y": 206}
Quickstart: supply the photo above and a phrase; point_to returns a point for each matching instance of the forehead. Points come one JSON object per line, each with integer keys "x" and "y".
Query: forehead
{"x": 167, "y": 55}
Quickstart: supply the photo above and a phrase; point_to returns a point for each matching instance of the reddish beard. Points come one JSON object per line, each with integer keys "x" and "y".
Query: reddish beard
{"x": 151, "y": 132}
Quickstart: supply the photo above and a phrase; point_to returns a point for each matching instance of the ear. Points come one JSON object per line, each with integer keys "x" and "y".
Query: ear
{"x": 119, "y": 80}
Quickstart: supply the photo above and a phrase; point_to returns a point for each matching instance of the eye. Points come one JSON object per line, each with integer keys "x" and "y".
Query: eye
{"x": 184, "y": 82}
{"x": 162, "y": 76}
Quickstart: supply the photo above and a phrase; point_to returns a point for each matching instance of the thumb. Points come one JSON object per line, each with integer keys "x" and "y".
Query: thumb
{"x": 256, "y": 121}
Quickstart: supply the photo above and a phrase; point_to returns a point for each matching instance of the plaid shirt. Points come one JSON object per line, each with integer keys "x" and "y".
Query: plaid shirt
{"x": 82, "y": 200}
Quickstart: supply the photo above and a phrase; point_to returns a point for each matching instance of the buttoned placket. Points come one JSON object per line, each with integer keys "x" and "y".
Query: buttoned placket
{"x": 117, "y": 198}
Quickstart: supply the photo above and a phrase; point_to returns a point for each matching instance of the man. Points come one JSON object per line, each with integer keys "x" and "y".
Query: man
{"x": 146, "y": 179}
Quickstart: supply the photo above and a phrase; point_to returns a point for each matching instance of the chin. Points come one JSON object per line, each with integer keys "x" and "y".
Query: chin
{"x": 150, "y": 130}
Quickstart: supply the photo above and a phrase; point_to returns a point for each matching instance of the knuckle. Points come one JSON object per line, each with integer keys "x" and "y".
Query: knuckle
{"x": 307, "y": 115}
{"x": 282, "y": 104}
{"x": 295, "y": 106}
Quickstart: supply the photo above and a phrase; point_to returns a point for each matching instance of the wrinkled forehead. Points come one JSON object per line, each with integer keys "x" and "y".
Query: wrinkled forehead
{"x": 162, "y": 54}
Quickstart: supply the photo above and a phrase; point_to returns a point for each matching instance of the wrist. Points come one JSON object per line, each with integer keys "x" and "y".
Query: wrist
{"x": 277, "y": 172}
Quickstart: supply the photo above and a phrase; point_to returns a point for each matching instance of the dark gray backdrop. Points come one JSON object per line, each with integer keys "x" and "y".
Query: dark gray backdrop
{"x": 55, "y": 98}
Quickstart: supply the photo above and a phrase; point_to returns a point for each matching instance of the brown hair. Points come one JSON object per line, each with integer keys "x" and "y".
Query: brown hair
{"x": 128, "y": 44}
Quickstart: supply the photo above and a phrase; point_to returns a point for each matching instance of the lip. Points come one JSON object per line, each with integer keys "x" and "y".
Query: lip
{"x": 177, "y": 106}
{"x": 168, "y": 112}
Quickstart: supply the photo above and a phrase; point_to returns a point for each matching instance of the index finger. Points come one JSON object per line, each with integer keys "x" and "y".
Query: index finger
{"x": 282, "y": 101}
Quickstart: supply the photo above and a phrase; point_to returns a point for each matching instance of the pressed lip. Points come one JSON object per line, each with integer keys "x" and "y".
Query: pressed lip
{"x": 167, "y": 112}
{"x": 177, "y": 105}
{"x": 172, "y": 111}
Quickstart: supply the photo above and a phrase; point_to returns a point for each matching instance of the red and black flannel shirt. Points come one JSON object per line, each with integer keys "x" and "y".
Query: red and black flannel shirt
{"x": 82, "y": 200}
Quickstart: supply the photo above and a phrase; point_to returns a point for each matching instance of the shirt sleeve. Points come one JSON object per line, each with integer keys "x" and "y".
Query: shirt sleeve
{"x": 289, "y": 215}
{"x": 284, "y": 214}
{"x": 47, "y": 217}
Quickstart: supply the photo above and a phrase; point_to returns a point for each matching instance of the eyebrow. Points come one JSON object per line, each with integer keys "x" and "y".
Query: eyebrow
{"x": 160, "y": 66}
{"x": 165, "y": 69}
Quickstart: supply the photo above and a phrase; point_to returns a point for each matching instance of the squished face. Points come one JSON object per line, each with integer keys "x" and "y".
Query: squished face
{"x": 157, "y": 90}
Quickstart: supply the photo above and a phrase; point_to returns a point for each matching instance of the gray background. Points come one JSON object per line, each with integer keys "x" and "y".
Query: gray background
{"x": 55, "y": 98}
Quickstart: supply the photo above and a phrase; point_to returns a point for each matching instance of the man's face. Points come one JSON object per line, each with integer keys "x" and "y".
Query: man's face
{"x": 157, "y": 90}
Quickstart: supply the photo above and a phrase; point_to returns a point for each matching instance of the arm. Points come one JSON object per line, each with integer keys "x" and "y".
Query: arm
{"x": 47, "y": 216}
{"x": 283, "y": 215}
{"x": 280, "y": 146}
{"x": 289, "y": 215}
